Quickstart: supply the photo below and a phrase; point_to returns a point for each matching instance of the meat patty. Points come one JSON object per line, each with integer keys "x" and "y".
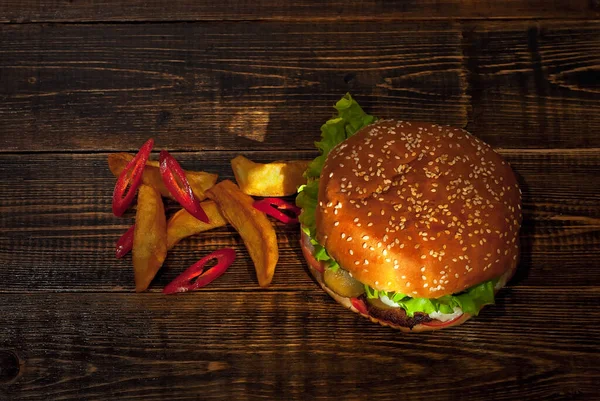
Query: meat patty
{"x": 395, "y": 316}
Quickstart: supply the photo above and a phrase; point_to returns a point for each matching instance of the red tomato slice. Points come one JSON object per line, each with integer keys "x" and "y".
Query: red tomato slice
{"x": 359, "y": 305}
{"x": 307, "y": 249}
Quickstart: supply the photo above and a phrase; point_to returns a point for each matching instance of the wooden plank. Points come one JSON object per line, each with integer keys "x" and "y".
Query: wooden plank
{"x": 535, "y": 78}
{"x": 217, "y": 86}
{"x": 224, "y": 86}
{"x": 58, "y": 232}
{"x": 294, "y": 345}
{"x": 270, "y": 10}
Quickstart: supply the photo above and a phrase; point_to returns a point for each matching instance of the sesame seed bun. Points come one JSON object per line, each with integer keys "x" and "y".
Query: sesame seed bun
{"x": 418, "y": 208}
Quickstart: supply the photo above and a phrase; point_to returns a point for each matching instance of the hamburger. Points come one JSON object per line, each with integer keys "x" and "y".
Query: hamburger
{"x": 413, "y": 225}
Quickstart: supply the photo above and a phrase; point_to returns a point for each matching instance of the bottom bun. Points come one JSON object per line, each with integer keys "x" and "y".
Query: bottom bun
{"x": 347, "y": 302}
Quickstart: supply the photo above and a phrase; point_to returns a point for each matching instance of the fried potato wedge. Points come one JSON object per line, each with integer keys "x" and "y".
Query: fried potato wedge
{"x": 200, "y": 181}
{"x": 149, "y": 237}
{"x": 280, "y": 178}
{"x": 182, "y": 224}
{"x": 253, "y": 226}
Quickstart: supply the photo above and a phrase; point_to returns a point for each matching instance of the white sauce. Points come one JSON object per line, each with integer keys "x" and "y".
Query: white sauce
{"x": 445, "y": 317}
{"x": 386, "y": 300}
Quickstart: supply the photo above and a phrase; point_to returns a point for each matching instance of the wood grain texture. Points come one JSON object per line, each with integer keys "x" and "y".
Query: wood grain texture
{"x": 217, "y": 86}
{"x": 270, "y": 86}
{"x": 271, "y": 10}
{"x": 535, "y": 78}
{"x": 294, "y": 345}
{"x": 209, "y": 80}
{"x": 57, "y": 222}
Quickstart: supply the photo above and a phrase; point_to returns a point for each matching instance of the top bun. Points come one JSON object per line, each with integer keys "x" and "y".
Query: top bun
{"x": 418, "y": 208}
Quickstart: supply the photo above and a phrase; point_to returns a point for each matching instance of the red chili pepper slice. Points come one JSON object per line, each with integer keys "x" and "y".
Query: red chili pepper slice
{"x": 183, "y": 283}
{"x": 360, "y": 306}
{"x": 130, "y": 176}
{"x": 273, "y": 207}
{"x": 174, "y": 178}
{"x": 125, "y": 243}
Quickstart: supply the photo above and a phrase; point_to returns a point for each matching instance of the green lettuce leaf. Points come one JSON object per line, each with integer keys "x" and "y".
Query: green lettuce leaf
{"x": 470, "y": 301}
{"x": 349, "y": 120}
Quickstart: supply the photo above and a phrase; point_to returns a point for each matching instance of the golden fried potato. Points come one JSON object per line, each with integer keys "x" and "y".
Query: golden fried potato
{"x": 279, "y": 178}
{"x": 253, "y": 226}
{"x": 200, "y": 181}
{"x": 182, "y": 224}
{"x": 149, "y": 237}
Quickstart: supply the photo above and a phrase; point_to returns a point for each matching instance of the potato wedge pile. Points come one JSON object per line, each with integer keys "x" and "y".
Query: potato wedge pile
{"x": 228, "y": 203}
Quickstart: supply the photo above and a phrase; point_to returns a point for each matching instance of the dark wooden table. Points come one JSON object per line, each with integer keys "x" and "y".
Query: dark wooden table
{"x": 212, "y": 79}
